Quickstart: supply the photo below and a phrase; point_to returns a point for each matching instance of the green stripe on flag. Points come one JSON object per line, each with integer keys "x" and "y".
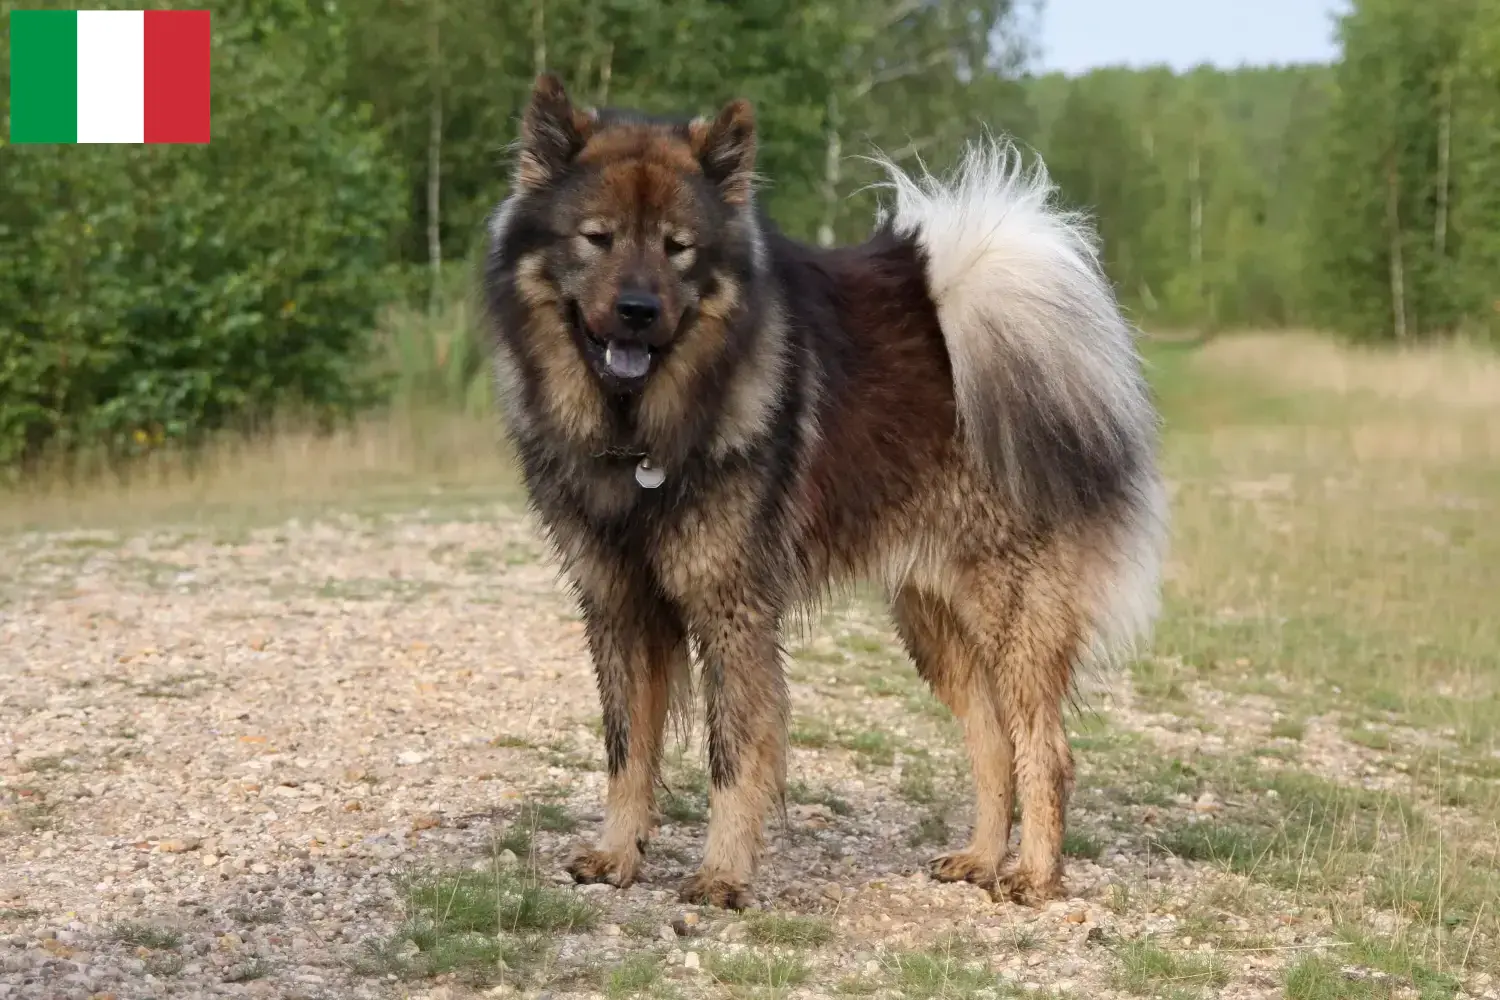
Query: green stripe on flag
{"x": 43, "y": 76}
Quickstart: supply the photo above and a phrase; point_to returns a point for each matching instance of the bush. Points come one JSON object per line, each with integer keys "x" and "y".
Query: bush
{"x": 167, "y": 291}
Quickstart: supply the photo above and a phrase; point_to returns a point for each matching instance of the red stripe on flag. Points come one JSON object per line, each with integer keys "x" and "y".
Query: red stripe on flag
{"x": 177, "y": 63}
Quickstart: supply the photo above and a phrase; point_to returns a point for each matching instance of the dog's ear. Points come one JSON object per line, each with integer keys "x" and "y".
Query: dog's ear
{"x": 726, "y": 149}
{"x": 552, "y": 133}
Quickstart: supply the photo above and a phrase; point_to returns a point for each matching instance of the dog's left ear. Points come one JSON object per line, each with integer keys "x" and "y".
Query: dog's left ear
{"x": 553, "y": 132}
{"x": 726, "y": 149}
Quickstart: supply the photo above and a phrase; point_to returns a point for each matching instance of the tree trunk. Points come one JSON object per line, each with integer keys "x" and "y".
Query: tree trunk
{"x": 605, "y": 70}
{"x": 435, "y": 159}
{"x": 1195, "y": 210}
{"x": 539, "y": 35}
{"x": 1445, "y": 144}
{"x": 1393, "y": 225}
{"x": 832, "y": 168}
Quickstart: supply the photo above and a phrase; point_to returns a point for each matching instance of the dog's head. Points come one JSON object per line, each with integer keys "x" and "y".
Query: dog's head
{"x": 634, "y": 225}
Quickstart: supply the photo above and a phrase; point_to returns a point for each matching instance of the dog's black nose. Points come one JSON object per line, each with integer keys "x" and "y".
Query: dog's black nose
{"x": 637, "y": 310}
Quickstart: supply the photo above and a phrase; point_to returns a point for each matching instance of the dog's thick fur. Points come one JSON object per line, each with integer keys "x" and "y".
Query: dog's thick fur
{"x": 955, "y": 408}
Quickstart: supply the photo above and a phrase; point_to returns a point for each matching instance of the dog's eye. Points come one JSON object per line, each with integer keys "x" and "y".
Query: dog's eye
{"x": 599, "y": 238}
{"x": 678, "y": 245}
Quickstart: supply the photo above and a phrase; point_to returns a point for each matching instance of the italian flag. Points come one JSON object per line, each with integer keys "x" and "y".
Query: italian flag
{"x": 109, "y": 76}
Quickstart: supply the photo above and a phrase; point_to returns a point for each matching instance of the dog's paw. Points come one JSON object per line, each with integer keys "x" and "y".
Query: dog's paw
{"x": 1027, "y": 886}
{"x": 963, "y": 866}
{"x": 618, "y": 868}
{"x": 704, "y": 889}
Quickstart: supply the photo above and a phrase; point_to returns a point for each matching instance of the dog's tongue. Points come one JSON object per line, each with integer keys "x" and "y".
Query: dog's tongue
{"x": 626, "y": 360}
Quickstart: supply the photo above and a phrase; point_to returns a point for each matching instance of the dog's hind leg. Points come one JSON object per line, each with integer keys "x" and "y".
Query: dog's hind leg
{"x": 944, "y": 656}
{"x": 747, "y": 703}
{"x": 1023, "y": 616}
{"x": 638, "y": 647}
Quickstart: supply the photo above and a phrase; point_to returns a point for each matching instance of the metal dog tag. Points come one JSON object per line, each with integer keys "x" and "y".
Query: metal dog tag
{"x": 648, "y": 475}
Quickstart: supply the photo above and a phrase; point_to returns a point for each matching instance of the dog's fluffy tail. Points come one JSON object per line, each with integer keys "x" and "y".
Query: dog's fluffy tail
{"x": 1051, "y": 398}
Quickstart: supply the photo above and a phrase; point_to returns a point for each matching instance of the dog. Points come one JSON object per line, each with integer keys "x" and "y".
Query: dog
{"x": 717, "y": 425}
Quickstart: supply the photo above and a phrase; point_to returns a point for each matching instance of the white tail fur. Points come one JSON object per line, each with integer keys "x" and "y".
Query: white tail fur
{"x": 1050, "y": 393}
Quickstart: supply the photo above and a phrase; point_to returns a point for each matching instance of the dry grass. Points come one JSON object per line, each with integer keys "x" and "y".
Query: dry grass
{"x": 1454, "y": 376}
{"x": 1344, "y": 551}
{"x": 377, "y": 461}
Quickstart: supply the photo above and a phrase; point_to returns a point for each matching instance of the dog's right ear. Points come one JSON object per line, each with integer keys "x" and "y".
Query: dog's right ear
{"x": 553, "y": 132}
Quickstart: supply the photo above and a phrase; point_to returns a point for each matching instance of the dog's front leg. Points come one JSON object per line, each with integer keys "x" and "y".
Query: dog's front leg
{"x": 746, "y": 697}
{"x": 637, "y": 647}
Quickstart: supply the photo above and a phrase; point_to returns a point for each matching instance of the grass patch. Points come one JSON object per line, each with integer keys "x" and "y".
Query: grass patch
{"x": 641, "y": 927}
{"x": 774, "y": 972}
{"x": 811, "y": 734}
{"x": 1373, "y": 739}
{"x": 805, "y": 795}
{"x": 875, "y": 746}
{"x": 1339, "y": 534}
{"x": 932, "y": 828}
{"x": 918, "y": 782}
{"x": 1402, "y": 957}
{"x": 164, "y": 964}
{"x": 684, "y": 808}
{"x": 146, "y": 935}
{"x": 789, "y": 929}
{"x": 476, "y": 925}
{"x": 633, "y": 977}
{"x": 1082, "y": 844}
{"x": 547, "y": 816}
{"x": 938, "y": 973}
{"x": 516, "y": 839}
{"x": 1302, "y": 831}
{"x": 1146, "y": 969}
{"x": 1289, "y": 727}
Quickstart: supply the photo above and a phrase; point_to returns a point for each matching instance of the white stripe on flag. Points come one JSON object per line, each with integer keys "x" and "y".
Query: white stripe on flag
{"x": 111, "y": 76}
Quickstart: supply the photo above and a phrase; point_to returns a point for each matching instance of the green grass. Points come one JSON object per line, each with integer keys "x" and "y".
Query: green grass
{"x": 477, "y": 925}
{"x": 1337, "y": 539}
{"x": 1146, "y": 969}
{"x": 919, "y": 782}
{"x": 1289, "y": 727}
{"x": 635, "y": 976}
{"x": 931, "y": 828}
{"x": 685, "y": 808}
{"x": 546, "y": 816}
{"x": 1403, "y": 957}
{"x": 871, "y": 745}
{"x": 800, "y": 792}
{"x": 146, "y": 935}
{"x": 788, "y": 929}
{"x": 774, "y": 972}
{"x": 516, "y": 839}
{"x": 938, "y": 974}
{"x": 1317, "y": 978}
{"x": 1303, "y": 831}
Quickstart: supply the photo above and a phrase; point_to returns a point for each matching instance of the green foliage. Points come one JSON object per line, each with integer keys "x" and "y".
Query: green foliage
{"x": 1199, "y": 184}
{"x": 1404, "y": 229}
{"x": 313, "y": 255}
{"x": 171, "y": 290}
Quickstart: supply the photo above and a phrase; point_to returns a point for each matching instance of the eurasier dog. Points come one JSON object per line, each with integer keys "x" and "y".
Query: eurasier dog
{"x": 717, "y": 424}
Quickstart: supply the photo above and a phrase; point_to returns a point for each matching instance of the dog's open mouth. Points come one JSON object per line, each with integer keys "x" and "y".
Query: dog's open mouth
{"x": 625, "y": 363}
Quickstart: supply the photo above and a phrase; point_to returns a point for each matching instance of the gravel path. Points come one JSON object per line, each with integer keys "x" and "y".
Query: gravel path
{"x": 222, "y": 754}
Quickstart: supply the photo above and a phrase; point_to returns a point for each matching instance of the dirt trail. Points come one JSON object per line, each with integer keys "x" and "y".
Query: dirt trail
{"x": 222, "y": 755}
